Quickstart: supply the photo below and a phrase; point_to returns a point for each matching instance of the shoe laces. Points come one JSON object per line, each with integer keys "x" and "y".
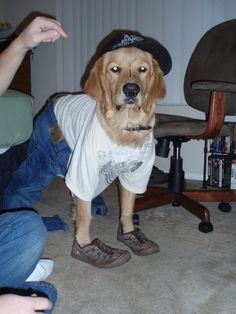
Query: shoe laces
{"x": 139, "y": 235}
{"x": 105, "y": 248}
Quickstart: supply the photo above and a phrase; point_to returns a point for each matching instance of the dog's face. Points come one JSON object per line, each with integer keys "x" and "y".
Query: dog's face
{"x": 126, "y": 83}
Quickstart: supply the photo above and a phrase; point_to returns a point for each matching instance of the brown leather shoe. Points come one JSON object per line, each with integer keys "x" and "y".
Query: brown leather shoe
{"x": 158, "y": 176}
{"x": 137, "y": 242}
{"x": 99, "y": 254}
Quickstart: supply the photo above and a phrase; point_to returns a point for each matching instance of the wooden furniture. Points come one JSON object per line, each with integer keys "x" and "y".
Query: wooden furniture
{"x": 22, "y": 78}
{"x": 210, "y": 87}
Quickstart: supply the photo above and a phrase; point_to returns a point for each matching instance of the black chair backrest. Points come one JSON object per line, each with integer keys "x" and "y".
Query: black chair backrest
{"x": 213, "y": 60}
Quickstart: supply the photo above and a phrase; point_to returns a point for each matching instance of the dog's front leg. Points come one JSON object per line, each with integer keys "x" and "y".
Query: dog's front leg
{"x": 127, "y": 200}
{"x": 82, "y": 221}
{"x": 130, "y": 236}
{"x": 96, "y": 252}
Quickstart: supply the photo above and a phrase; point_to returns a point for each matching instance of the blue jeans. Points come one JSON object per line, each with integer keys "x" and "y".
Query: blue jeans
{"x": 22, "y": 241}
{"x": 45, "y": 160}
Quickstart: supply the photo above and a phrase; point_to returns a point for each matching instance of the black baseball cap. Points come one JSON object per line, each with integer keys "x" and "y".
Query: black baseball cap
{"x": 134, "y": 39}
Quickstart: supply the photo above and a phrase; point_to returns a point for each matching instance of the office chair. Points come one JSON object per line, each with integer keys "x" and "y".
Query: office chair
{"x": 210, "y": 87}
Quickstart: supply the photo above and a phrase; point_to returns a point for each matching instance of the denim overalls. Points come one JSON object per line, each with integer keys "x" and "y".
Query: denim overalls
{"x": 47, "y": 157}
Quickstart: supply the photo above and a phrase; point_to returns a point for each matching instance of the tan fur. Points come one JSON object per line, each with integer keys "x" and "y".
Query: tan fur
{"x": 82, "y": 216}
{"x": 115, "y": 115}
{"x": 106, "y": 88}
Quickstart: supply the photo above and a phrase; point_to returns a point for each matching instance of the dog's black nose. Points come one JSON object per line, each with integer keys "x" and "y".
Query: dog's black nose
{"x": 131, "y": 89}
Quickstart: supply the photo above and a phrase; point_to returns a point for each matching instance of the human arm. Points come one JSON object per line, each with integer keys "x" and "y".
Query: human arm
{"x": 14, "y": 304}
{"x": 41, "y": 29}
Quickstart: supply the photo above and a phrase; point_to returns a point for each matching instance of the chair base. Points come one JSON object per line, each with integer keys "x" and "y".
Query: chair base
{"x": 158, "y": 196}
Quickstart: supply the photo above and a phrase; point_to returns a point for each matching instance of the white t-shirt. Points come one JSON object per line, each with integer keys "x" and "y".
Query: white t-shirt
{"x": 96, "y": 160}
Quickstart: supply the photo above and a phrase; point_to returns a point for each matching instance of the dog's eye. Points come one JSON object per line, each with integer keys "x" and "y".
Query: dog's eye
{"x": 142, "y": 69}
{"x": 115, "y": 69}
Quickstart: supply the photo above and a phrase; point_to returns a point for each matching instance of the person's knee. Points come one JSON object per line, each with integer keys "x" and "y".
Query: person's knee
{"x": 36, "y": 228}
{"x": 35, "y": 236}
{"x": 24, "y": 241}
{"x": 28, "y": 226}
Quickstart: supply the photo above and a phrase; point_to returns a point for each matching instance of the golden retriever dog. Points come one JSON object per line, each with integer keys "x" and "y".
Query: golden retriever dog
{"x": 105, "y": 134}
{"x": 126, "y": 84}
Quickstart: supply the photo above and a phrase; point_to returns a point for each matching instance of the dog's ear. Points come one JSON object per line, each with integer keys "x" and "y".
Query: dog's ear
{"x": 157, "y": 87}
{"x": 95, "y": 86}
{"x": 92, "y": 86}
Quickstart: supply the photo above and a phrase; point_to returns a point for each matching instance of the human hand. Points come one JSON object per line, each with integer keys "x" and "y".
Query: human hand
{"x": 15, "y": 304}
{"x": 41, "y": 29}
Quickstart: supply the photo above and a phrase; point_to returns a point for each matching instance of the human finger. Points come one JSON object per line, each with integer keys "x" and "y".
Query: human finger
{"x": 51, "y": 24}
{"x": 41, "y": 304}
{"x": 49, "y": 36}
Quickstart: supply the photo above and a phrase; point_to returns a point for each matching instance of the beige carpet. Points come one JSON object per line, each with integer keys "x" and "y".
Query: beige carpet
{"x": 194, "y": 273}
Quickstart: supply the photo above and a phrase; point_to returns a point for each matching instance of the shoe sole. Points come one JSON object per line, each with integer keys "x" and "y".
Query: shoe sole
{"x": 122, "y": 259}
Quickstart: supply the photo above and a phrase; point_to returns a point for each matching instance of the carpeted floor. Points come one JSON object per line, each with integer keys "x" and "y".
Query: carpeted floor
{"x": 194, "y": 273}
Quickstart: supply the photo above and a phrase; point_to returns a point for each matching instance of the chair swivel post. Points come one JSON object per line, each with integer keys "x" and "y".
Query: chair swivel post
{"x": 176, "y": 181}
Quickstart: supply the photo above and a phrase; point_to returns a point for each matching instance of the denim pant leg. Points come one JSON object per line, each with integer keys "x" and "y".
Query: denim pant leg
{"x": 22, "y": 241}
{"x": 44, "y": 161}
{"x": 9, "y": 162}
{"x": 28, "y": 181}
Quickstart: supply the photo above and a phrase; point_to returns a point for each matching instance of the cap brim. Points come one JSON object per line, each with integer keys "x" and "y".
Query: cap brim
{"x": 159, "y": 52}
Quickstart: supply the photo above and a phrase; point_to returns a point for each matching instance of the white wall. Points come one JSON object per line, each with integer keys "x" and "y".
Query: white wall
{"x": 178, "y": 24}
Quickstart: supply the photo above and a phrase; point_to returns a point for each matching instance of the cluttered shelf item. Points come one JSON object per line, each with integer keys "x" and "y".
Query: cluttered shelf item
{"x": 219, "y": 159}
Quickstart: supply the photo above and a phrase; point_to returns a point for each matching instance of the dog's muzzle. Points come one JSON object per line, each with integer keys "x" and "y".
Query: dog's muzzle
{"x": 131, "y": 91}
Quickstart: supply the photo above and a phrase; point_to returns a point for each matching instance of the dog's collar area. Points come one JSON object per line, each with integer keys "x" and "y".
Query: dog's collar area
{"x": 128, "y": 104}
{"x": 139, "y": 128}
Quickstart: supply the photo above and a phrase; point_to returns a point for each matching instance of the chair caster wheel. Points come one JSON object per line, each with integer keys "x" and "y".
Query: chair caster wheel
{"x": 225, "y": 207}
{"x": 205, "y": 227}
{"x": 175, "y": 204}
{"x": 136, "y": 219}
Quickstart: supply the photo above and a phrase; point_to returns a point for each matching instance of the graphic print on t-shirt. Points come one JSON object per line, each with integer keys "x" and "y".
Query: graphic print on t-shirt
{"x": 111, "y": 164}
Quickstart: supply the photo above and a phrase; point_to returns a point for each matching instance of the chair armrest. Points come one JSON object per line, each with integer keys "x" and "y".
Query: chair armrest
{"x": 216, "y": 115}
{"x": 216, "y": 86}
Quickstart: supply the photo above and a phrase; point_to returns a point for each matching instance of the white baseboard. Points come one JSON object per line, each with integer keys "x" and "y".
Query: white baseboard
{"x": 194, "y": 176}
